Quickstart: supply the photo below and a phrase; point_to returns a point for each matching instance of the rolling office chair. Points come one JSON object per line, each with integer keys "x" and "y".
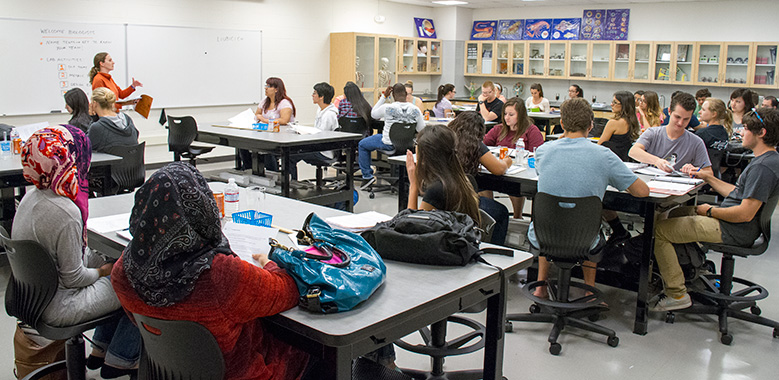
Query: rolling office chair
{"x": 402, "y": 137}
{"x": 131, "y": 172}
{"x": 182, "y": 131}
{"x": 436, "y": 344}
{"x": 178, "y": 350}
{"x": 719, "y": 296}
{"x": 565, "y": 228}
{"x": 33, "y": 283}
{"x": 350, "y": 125}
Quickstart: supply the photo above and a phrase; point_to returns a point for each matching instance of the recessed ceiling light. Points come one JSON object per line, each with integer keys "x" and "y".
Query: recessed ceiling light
{"x": 450, "y": 2}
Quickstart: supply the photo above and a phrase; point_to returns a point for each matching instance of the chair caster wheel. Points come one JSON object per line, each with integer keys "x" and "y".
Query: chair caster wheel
{"x": 508, "y": 327}
{"x": 372, "y": 195}
{"x": 776, "y": 332}
{"x": 534, "y": 308}
{"x": 755, "y": 310}
{"x": 555, "y": 349}
{"x": 593, "y": 317}
{"x": 670, "y": 317}
{"x": 726, "y": 339}
{"x": 613, "y": 341}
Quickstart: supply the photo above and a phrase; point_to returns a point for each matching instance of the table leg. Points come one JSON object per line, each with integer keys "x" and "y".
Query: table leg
{"x": 642, "y": 299}
{"x": 258, "y": 168}
{"x": 403, "y": 186}
{"x": 107, "y": 180}
{"x": 350, "y": 176}
{"x": 337, "y": 363}
{"x": 285, "y": 179}
{"x": 8, "y": 207}
{"x": 493, "y": 340}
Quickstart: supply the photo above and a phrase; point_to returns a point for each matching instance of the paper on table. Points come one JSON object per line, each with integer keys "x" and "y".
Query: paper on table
{"x": 244, "y": 119}
{"x": 109, "y": 223}
{"x": 684, "y": 180}
{"x": 671, "y": 188}
{"x": 246, "y": 240}
{"x": 25, "y": 131}
{"x": 651, "y": 170}
{"x": 303, "y": 130}
{"x": 358, "y": 222}
{"x": 514, "y": 169}
{"x": 634, "y": 166}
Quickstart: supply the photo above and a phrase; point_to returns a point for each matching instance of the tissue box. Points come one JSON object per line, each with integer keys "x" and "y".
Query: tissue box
{"x": 260, "y": 126}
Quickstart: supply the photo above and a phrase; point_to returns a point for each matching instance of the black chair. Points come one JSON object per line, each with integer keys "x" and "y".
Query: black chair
{"x": 725, "y": 295}
{"x": 33, "y": 283}
{"x": 350, "y": 125}
{"x": 182, "y": 131}
{"x": 435, "y": 342}
{"x": 354, "y": 125}
{"x": 402, "y": 137}
{"x": 178, "y": 350}
{"x": 565, "y": 228}
{"x": 131, "y": 172}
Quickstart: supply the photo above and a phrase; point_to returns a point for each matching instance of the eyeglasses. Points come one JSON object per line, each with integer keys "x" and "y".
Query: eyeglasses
{"x": 615, "y": 103}
{"x": 754, "y": 112}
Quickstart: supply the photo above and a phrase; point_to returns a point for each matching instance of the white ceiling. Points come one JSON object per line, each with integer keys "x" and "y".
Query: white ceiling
{"x": 485, "y": 4}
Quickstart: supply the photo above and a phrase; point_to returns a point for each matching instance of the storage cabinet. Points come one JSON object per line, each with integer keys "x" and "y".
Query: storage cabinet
{"x": 578, "y": 56}
{"x": 709, "y": 65}
{"x": 537, "y": 63}
{"x": 684, "y": 71}
{"x": 764, "y": 60}
{"x": 737, "y": 63}
{"x": 518, "y": 61}
{"x": 419, "y": 56}
{"x": 622, "y": 54}
{"x": 640, "y": 63}
{"x": 600, "y": 61}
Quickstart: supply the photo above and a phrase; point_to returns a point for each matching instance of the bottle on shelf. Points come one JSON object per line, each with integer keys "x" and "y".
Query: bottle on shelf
{"x": 232, "y": 201}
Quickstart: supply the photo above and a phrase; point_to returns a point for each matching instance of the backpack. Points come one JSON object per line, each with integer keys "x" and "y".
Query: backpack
{"x": 625, "y": 258}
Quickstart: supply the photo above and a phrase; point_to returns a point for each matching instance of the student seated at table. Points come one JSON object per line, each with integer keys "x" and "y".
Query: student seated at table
{"x": 443, "y": 107}
{"x": 112, "y": 128}
{"x": 536, "y": 102}
{"x": 489, "y": 106}
{"x": 200, "y": 279}
{"x": 718, "y": 120}
{"x": 54, "y": 213}
{"x": 620, "y": 132}
{"x": 411, "y": 98}
{"x": 77, "y": 104}
{"x": 399, "y": 111}
{"x": 740, "y": 103}
{"x": 694, "y": 122}
{"x": 562, "y": 172}
{"x": 649, "y": 112}
{"x": 472, "y": 153}
{"x": 354, "y": 105}
{"x": 575, "y": 91}
{"x": 326, "y": 120}
{"x": 499, "y": 92}
{"x": 769, "y": 101}
{"x": 700, "y": 97}
{"x": 277, "y": 106}
{"x": 516, "y": 124}
{"x": 735, "y": 221}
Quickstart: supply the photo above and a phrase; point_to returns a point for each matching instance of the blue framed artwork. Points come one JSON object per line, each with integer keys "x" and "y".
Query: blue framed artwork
{"x": 510, "y": 29}
{"x": 484, "y": 30}
{"x": 593, "y": 24}
{"x": 538, "y": 29}
{"x": 617, "y": 21}
{"x": 425, "y": 27}
{"x": 566, "y": 28}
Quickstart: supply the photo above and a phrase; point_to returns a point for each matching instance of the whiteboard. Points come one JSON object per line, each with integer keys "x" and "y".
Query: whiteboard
{"x": 41, "y": 60}
{"x": 182, "y": 67}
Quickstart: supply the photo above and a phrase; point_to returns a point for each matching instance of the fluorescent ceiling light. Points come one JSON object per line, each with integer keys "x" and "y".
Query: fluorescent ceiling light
{"x": 450, "y": 2}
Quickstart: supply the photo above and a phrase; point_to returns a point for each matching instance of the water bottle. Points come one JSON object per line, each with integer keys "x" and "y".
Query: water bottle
{"x": 520, "y": 153}
{"x": 231, "y": 199}
{"x": 5, "y": 147}
{"x": 16, "y": 141}
{"x": 270, "y": 124}
{"x": 672, "y": 162}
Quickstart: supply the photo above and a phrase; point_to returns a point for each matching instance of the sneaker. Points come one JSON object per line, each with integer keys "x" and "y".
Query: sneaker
{"x": 666, "y": 303}
{"x": 367, "y": 182}
{"x": 618, "y": 238}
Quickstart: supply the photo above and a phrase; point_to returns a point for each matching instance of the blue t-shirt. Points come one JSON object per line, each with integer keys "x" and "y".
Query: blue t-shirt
{"x": 578, "y": 168}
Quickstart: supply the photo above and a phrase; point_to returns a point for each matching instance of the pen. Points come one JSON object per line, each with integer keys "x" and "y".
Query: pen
{"x": 692, "y": 175}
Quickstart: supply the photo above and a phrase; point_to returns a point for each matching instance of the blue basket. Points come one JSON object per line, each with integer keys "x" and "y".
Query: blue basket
{"x": 253, "y": 217}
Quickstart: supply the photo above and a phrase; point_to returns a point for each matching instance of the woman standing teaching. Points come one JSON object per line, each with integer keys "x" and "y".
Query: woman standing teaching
{"x": 99, "y": 76}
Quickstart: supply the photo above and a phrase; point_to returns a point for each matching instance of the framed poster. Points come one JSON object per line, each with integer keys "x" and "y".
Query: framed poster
{"x": 593, "y": 24}
{"x": 617, "y": 21}
{"x": 510, "y": 29}
{"x": 566, "y": 28}
{"x": 538, "y": 29}
{"x": 425, "y": 28}
{"x": 484, "y": 30}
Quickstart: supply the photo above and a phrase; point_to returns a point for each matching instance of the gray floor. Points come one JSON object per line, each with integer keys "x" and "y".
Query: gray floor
{"x": 688, "y": 349}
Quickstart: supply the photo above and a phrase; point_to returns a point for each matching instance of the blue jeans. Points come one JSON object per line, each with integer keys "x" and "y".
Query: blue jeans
{"x": 120, "y": 340}
{"x": 500, "y": 213}
{"x": 366, "y": 146}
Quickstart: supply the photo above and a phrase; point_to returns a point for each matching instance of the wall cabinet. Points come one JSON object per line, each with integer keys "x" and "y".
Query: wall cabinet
{"x": 763, "y": 59}
{"x": 419, "y": 56}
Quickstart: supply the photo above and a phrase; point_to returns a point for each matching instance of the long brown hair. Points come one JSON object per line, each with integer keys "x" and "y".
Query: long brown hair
{"x": 723, "y": 113}
{"x": 99, "y": 58}
{"x": 628, "y": 113}
{"x": 437, "y": 162}
{"x": 281, "y": 94}
{"x": 523, "y": 121}
{"x": 469, "y": 128}
{"x": 653, "y": 110}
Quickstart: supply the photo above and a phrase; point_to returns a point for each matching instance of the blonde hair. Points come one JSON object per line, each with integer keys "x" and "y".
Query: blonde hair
{"x": 409, "y": 84}
{"x": 104, "y": 98}
{"x": 488, "y": 84}
{"x": 723, "y": 113}
{"x": 99, "y": 58}
{"x": 653, "y": 110}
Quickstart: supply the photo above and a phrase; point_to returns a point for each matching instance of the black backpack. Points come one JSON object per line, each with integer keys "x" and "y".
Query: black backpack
{"x": 625, "y": 257}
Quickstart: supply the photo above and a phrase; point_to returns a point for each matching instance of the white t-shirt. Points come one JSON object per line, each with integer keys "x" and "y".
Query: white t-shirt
{"x": 397, "y": 112}
{"x": 544, "y": 105}
{"x": 276, "y": 113}
{"x": 327, "y": 120}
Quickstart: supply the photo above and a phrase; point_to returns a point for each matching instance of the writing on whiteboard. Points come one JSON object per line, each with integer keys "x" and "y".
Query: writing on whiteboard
{"x": 229, "y": 39}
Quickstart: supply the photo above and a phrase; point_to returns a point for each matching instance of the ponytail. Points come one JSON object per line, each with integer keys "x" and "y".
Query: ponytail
{"x": 99, "y": 58}
{"x": 443, "y": 90}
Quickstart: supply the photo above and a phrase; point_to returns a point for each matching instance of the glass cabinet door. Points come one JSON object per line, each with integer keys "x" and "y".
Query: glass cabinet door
{"x": 662, "y": 57}
{"x": 600, "y": 62}
{"x": 365, "y": 61}
{"x": 408, "y": 51}
{"x": 471, "y": 58}
{"x": 536, "y": 60}
{"x": 503, "y": 52}
{"x": 423, "y": 50}
{"x": 684, "y": 62}
{"x": 765, "y": 65}
{"x": 487, "y": 58}
{"x": 737, "y": 63}
{"x": 709, "y": 64}
{"x": 621, "y": 61}
{"x": 557, "y": 59}
{"x": 387, "y": 62}
{"x": 435, "y": 57}
{"x": 577, "y": 62}
{"x": 518, "y": 58}
{"x": 642, "y": 53}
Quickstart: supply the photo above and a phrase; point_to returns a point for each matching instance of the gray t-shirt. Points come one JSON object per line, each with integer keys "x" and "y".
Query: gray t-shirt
{"x": 760, "y": 180}
{"x": 688, "y": 149}
{"x": 397, "y": 112}
{"x": 562, "y": 171}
